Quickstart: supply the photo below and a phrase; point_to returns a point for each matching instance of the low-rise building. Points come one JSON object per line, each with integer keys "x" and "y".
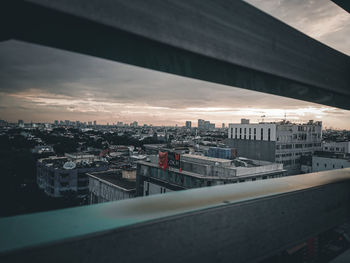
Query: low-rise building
{"x": 323, "y": 161}
{"x": 62, "y": 176}
{"x": 338, "y": 147}
{"x": 201, "y": 171}
{"x": 111, "y": 185}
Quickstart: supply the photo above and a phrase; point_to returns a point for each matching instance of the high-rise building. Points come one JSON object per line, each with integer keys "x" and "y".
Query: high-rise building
{"x": 56, "y": 122}
{"x": 223, "y": 126}
{"x": 90, "y": 123}
{"x": 188, "y": 124}
{"x": 201, "y": 124}
{"x": 20, "y": 123}
{"x": 281, "y": 142}
{"x": 66, "y": 122}
{"x": 205, "y": 125}
{"x": 95, "y": 123}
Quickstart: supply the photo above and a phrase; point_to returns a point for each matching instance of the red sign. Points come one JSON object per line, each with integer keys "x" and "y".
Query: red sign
{"x": 163, "y": 160}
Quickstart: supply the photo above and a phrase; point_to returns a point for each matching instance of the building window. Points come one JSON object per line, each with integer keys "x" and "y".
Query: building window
{"x": 236, "y": 133}
{"x": 254, "y": 134}
{"x": 269, "y": 134}
{"x": 325, "y": 165}
{"x": 333, "y": 166}
{"x": 231, "y": 133}
{"x": 262, "y": 133}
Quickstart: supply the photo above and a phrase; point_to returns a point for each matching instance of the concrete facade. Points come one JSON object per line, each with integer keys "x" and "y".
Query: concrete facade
{"x": 327, "y": 163}
{"x": 109, "y": 186}
{"x": 56, "y": 181}
{"x": 281, "y": 142}
{"x": 200, "y": 171}
{"x": 338, "y": 147}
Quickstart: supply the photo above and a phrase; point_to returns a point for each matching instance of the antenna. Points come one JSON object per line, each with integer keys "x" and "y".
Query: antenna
{"x": 262, "y": 118}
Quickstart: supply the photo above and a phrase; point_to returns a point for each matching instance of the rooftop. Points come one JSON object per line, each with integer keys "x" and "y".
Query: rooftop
{"x": 206, "y": 158}
{"x": 115, "y": 177}
{"x": 58, "y": 162}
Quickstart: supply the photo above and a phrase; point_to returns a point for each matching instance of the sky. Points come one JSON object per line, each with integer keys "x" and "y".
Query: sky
{"x": 42, "y": 84}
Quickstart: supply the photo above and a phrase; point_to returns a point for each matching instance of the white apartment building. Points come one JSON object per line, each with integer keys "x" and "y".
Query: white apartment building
{"x": 281, "y": 142}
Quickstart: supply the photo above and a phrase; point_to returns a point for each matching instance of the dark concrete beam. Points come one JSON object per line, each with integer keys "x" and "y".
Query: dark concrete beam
{"x": 226, "y": 42}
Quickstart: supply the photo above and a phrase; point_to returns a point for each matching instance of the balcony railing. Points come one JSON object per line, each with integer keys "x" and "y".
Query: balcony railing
{"x": 227, "y": 42}
{"x": 245, "y": 222}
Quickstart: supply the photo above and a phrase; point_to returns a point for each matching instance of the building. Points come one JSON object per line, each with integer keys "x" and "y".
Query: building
{"x": 20, "y": 123}
{"x": 224, "y": 153}
{"x": 134, "y": 124}
{"x": 200, "y": 124}
{"x": 281, "y": 142}
{"x": 62, "y": 176}
{"x": 81, "y": 157}
{"x": 152, "y": 149}
{"x": 95, "y": 123}
{"x": 111, "y": 185}
{"x": 338, "y": 147}
{"x": 43, "y": 150}
{"x": 205, "y": 125}
{"x": 188, "y": 124}
{"x": 245, "y": 121}
{"x": 201, "y": 171}
{"x": 323, "y": 161}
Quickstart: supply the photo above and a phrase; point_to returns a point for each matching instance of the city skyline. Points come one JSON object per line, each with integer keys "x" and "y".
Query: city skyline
{"x": 40, "y": 84}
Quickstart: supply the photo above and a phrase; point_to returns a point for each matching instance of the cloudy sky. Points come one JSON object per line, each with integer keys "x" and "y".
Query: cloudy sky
{"x": 42, "y": 84}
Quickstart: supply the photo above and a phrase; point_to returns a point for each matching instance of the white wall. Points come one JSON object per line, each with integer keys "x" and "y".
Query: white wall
{"x": 258, "y": 126}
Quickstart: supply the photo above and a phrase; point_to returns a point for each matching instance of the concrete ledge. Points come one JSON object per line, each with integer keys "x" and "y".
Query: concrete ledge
{"x": 247, "y": 222}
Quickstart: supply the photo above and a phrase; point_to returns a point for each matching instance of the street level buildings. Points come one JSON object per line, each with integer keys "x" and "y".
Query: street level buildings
{"x": 200, "y": 171}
